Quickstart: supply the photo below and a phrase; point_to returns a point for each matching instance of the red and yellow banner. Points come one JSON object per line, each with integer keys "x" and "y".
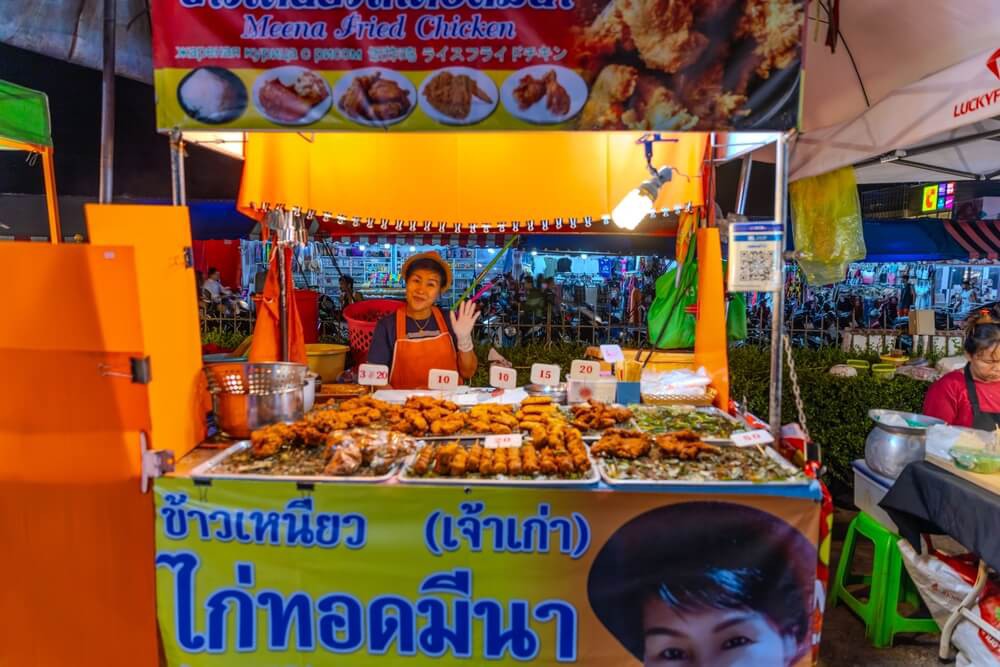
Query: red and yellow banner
{"x": 266, "y": 573}
{"x": 477, "y": 64}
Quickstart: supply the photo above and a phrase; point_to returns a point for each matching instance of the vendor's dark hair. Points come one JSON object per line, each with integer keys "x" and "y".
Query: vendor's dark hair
{"x": 348, "y": 280}
{"x": 982, "y": 330}
{"x": 704, "y": 555}
{"x": 426, "y": 265}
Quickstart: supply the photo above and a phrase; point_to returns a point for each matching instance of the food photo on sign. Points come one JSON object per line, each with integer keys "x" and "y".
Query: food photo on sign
{"x": 568, "y": 65}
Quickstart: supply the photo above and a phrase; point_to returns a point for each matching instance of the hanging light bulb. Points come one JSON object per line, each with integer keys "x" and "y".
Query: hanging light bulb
{"x": 639, "y": 203}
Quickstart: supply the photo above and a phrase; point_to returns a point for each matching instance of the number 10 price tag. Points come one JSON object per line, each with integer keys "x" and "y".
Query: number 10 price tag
{"x": 502, "y": 377}
{"x": 751, "y": 438}
{"x": 373, "y": 375}
{"x": 439, "y": 379}
{"x": 547, "y": 374}
{"x": 585, "y": 369}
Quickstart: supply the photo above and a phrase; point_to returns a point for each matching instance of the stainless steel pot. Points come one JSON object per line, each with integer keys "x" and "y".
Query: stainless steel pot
{"x": 250, "y": 395}
{"x": 890, "y": 448}
{"x": 556, "y": 392}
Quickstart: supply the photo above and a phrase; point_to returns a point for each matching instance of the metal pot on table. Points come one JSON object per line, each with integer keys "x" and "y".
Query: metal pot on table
{"x": 248, "y": 395}
{"x": 890, "y": 446}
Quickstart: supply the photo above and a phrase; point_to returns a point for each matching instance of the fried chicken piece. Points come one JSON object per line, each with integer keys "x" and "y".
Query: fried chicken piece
{"x": 608, "y": 98}
{"x": 345, "y": 460}
{"x": 500, "y": 461}
{"x": 539, "y": 436}
{"x": 452, "y": 94}
{"x": 486, "y": 462}
{"x": 375, "y": 98}
{"x": 776, "y": 27}
{"x": 622, "y": 444}
{"x": 683, "y": 445}
{"x": 384, "y": 90}
{"x": 538, "y": 409}
{"x": 445, "y": 453}
{"x": 547, "y": 463}
{"x": 529, "y": 91}
{"x": 599, "y": 41}
{"x": 449, "y": 425}
{"x": 424, "y": 458}
{"x": 663, "y": 32}
{"x": 458, "y": 462}
{"x": 557, "y": 99}
{"x": 529, "y": 460}
{"x": 420, "y": 424}
{"x": 311, "y": 88}
{"x": 537, "y": 400}
{"x": 514, "y": 466}
{"x": 564, "y": 462}
{"x": 266, "y": 441}
{"x": 475, "y": 457}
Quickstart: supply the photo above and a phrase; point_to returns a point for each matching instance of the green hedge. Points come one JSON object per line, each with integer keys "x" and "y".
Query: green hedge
{"x": 836, "y": 408}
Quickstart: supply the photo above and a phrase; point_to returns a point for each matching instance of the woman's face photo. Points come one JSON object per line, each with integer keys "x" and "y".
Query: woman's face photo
{"x": 711, "y": 638}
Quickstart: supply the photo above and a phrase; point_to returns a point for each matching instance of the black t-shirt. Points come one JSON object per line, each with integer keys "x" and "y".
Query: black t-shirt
{"x": 384, "y": 338}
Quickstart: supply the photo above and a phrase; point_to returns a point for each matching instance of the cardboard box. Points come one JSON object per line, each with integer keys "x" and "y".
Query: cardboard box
{"x": 922, "y": 322}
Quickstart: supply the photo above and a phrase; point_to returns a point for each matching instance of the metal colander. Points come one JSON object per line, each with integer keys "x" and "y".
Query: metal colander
{"x": 247, "y": 396}
{"x": 255, "y": 379}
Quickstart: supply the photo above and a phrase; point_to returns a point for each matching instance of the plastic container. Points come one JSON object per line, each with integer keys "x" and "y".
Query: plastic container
{"x": 894, "y": 360}
{"x": 883, "y": 371}
{"x": 976, "y": 460}
{"x": 869, "y": 489}
{"x": 327, "y": 360}
{"x": 361, "y": 320}
{"x": 861, "y": 365}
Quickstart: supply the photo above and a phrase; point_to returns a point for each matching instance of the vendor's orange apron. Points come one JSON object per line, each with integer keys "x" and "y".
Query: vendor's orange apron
{"x": 412, "y": 360}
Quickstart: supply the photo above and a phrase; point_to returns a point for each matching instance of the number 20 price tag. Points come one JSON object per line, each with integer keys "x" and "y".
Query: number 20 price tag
{"x": 751, "y": 438}
{"x": 373, "y": 375}
{"x": 502, "y": 377}
{"x": 547, "y": 374}
{"x": 439, "y": 379}
{"x": 584, "y": 369}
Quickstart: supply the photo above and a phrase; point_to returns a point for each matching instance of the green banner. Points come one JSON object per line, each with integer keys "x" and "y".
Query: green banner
{"x": 24, "y": 115}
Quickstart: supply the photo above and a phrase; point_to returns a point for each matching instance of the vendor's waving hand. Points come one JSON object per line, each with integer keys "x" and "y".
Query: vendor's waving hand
{"x": 462, "y": 322}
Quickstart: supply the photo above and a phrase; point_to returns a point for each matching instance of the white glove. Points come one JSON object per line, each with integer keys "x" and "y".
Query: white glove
{"x": 462, "y": 323}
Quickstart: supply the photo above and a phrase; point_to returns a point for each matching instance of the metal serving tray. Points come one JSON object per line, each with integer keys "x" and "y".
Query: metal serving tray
{"x": 207, "y": 470}
{"x": 711, "y": 410}
{"x": 593, "y": 478}
{"x": 613, "y": 482}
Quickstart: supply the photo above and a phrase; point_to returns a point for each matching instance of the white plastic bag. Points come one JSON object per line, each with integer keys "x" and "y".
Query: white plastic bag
{"x": 943, "y": 581}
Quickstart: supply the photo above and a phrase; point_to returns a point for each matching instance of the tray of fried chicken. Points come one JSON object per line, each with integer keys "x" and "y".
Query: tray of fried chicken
{"x": 437, "y": 419}
{"x": 561, "y": 459}
{"x": 308, "y": 450}
{"x": 628, "y": 457}
{"x": 595, "y": 417}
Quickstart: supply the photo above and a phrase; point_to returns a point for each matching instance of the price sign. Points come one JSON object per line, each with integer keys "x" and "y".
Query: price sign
{"x": 373, "y": 375}
{"x": 509, "y": 440}
{"x": 612, "y": 354}
{"x": 584, "y": 369}
{"x": 547, "y": 374}
{"x": 751, "y": 438}
{"x": 439, "y": 379}
{"x": 502, "y": 377}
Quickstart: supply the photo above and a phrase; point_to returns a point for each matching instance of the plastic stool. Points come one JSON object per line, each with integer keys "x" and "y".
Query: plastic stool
{"x": 889, "y": 584}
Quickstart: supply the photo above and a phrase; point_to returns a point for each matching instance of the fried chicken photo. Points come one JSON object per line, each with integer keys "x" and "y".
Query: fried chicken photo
{"x": 528, "y": 91}
{"x": 557, "y": 99}
{"x": 452, "y": 94}
{"x": 663, "y": 32}
{"x": 607, "y": 35}
{"x": 656, "y": 106}
{"x": 776, "y": 27}
{"x": 608, "y": 98}
{"x": 373, "y": 98}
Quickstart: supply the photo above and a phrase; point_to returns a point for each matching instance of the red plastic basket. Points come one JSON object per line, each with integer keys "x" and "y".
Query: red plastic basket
{"x": 361, "y": 320}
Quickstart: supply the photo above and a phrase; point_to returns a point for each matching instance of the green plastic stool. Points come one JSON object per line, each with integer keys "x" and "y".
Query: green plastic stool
{"x": 889, "y": 584}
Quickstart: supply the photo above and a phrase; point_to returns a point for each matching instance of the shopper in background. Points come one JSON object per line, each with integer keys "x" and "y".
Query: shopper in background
{"x": 348, "y": 294}
{"x": 966, "y": 298}
{"x": 907, "y": 295}
{"x": 216, "y": 292}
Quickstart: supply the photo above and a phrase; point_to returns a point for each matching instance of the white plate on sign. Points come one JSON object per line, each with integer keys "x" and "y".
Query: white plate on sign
{"x": 287, "y": 75}
{"x": 538, "y": 113}
{"x": 478, "y": 110}
{"x": 389, "y": 75}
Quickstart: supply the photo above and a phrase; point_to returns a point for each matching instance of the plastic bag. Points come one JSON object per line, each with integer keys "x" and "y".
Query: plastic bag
{"x": 826, "y": 219}
{"x": 943, "y": 581}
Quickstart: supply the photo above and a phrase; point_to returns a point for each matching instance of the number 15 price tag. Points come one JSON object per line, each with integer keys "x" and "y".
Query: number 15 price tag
{"x": 439, "y": 379}
{"x": 547, "y": 374}
{"x": 502, "y": 377}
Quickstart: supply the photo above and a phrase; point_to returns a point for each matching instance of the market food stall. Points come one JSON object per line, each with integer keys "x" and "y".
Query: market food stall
{"x": 486, "y": 524}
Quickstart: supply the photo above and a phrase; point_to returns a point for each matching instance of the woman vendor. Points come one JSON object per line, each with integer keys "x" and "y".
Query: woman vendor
{"x": 971, "y": 397}
{"x": 418, "y": 338}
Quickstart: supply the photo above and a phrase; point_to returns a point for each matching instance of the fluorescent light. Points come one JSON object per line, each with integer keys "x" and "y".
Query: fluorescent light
{"x": 386, "y": 246}
{"x": 632, "y": 209}
{"x": 493, "y": 251}
{"x": 583, "y": 256}
{"x": 413, "y": 249}
{"x": 361, "y": 248}
{"x": 534, "y": 253}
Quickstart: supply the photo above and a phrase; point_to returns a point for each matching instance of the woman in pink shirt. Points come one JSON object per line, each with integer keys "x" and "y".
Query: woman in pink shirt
{"x": 971, "y": 397}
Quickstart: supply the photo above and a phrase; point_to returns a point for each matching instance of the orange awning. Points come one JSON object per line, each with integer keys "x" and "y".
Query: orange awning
{"x": 462, "y": 178}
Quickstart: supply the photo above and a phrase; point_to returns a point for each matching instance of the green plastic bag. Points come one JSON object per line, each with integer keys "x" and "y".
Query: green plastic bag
{"x": 671, "y": 327}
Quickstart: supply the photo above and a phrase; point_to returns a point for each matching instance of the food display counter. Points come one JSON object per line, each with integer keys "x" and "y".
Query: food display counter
{"x": 446, "y": 528}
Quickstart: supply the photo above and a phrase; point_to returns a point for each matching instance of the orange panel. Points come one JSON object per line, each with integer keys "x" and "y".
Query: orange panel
{"x": 168, "y": 310}
{"x": 710, "y": 343}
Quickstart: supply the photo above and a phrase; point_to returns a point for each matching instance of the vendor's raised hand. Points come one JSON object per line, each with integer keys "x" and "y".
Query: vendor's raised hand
{"x": 462, "y": 322}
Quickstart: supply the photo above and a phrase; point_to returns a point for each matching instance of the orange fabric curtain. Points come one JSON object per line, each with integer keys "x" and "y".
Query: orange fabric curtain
{"x": 463, "y": 178}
